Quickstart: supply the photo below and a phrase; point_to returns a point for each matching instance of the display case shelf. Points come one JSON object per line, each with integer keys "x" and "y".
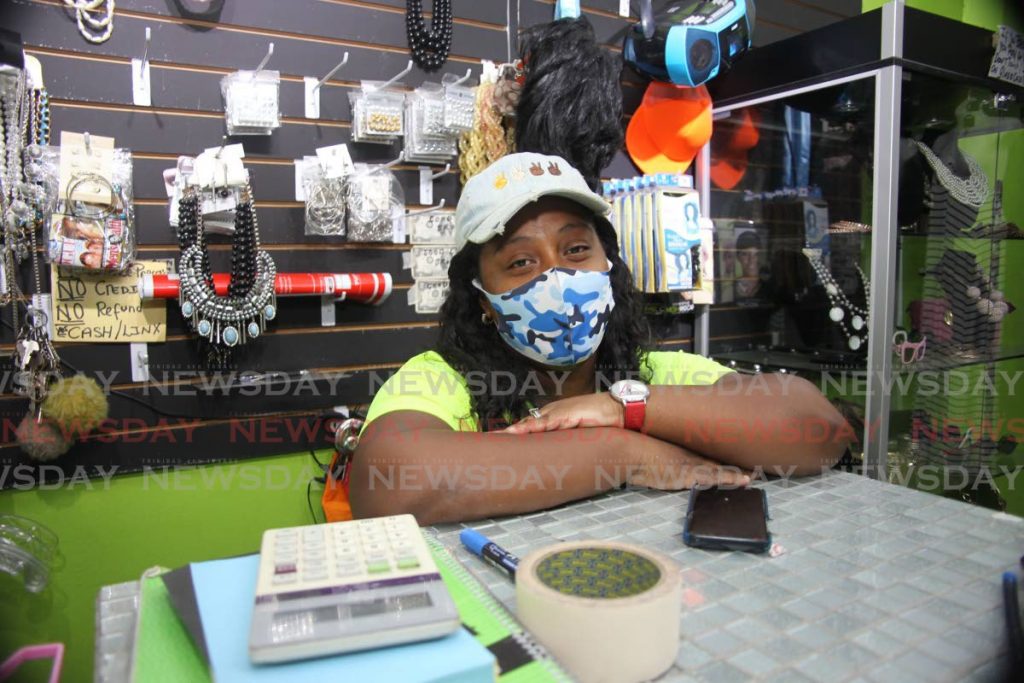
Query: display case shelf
{"x": 904, "y": 151}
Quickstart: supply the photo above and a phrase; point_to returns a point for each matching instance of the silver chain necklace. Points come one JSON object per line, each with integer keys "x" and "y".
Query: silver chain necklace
{"x": 972, "y": 191}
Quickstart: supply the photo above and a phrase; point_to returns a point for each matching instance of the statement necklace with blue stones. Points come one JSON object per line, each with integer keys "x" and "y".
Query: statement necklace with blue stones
{"x": 242, "y": 315}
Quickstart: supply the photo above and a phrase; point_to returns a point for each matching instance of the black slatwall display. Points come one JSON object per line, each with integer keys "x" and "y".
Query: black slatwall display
{"x": 303, "y": 368}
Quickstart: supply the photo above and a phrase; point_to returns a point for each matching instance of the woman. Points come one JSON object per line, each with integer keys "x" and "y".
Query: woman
{"x": 531, "y": 397}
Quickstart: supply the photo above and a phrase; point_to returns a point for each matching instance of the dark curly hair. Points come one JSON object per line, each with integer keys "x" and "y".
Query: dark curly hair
{"x": 468, "y": 344}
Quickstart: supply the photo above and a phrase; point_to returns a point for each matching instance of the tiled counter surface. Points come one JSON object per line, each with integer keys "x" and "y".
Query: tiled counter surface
{"x": 877, "y": 582}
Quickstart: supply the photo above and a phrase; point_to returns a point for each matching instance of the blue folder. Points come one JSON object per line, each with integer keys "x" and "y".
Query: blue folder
{"x": 224, "y": 592}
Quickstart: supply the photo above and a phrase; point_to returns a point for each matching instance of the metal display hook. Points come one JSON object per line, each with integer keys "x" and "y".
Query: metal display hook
{"x": 330, "y": 73}
{"x": 435, "y": 176}
{"x": 429, "y": 209}
{"x": 397, "y": 78}
{"x": 145, "y": 53}
{"x": 270, "y": 51}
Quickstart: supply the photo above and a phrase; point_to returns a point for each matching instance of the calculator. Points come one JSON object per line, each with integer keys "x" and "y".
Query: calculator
{"x": 325, "y": 589}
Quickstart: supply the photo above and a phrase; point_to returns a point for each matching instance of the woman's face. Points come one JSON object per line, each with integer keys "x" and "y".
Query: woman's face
{"x": 549, "y": 233}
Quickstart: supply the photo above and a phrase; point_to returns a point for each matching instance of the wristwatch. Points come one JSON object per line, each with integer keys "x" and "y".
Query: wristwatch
{"x": 632, "y": 394}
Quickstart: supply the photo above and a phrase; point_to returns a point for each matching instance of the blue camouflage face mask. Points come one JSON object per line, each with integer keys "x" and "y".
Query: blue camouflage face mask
{"x": 558, "y": 318}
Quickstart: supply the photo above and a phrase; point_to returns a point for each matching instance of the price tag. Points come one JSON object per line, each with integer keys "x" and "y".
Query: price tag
{"x": 624, "y": 8}
{"x": 335, "y": 160}
{"x": 44, "y": 303}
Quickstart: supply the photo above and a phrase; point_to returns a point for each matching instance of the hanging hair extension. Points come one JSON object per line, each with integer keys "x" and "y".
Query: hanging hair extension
{"x": 571, "y": 104}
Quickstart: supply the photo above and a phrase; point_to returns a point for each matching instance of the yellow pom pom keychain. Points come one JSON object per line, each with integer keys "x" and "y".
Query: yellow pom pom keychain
{"x": 77, "y": 405}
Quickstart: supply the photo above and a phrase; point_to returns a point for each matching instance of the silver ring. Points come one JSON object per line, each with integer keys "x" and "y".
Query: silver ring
{"x": 535, "y": 413}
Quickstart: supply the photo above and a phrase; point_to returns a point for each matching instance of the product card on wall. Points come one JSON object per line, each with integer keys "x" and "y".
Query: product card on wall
{"x": 335, "y": 160}
{"x": 432, "y": 228}
{"x": 431, "y": 262}
{"x": 430, "y": 294}
{"x": 105, "y": 307}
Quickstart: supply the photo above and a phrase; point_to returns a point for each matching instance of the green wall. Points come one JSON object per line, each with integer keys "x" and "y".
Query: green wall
{"x": 984, "y": 13}
{"x": 112, "y": 531}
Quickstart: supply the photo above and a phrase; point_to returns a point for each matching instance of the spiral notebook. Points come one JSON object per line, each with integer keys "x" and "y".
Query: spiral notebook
{"x": 520, "y": 658}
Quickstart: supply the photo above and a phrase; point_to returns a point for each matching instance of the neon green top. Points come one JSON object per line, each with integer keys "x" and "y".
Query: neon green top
{"x": 427, "y": 383}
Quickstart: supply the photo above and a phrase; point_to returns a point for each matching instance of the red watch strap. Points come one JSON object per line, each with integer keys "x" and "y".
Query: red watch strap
{"x": 634, "y": 415}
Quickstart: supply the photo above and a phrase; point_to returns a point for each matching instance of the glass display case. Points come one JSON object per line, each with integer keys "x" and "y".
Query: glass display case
{"x": 876, "y": 151}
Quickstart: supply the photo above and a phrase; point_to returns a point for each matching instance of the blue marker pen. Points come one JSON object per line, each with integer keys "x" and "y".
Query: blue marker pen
{"x": 491, "y": 552}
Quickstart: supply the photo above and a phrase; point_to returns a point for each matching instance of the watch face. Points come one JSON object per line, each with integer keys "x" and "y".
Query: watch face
{"x": 630, "y": 390}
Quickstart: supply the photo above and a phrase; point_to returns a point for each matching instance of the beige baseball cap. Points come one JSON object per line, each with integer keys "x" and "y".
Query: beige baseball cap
{"x": 492, "y": 197}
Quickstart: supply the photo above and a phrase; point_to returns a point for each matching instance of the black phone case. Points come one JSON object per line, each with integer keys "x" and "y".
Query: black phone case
{"x": 725, "y": 542}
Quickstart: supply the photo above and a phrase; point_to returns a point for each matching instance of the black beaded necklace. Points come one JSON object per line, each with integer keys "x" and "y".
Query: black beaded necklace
{"x": 222, "y": 322}
{"x": 429, "y": 48}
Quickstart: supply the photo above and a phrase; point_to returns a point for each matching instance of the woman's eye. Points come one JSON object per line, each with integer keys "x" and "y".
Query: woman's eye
{"x": 519, "y": 263}
{"x": 578, "y": 249}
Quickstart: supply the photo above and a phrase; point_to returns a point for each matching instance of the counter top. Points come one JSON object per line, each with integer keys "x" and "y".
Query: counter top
{"x": 876, "y": 582}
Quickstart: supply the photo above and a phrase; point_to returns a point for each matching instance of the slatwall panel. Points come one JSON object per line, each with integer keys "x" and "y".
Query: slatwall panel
{"x": 90, "y": 87}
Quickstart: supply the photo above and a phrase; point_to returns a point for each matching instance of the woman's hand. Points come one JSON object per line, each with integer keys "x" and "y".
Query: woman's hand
{"x": 665, "y": 466}
{"x": 589, "y": 410}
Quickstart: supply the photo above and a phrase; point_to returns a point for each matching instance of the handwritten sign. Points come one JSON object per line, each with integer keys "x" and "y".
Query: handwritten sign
{"x": 1008, "y": 61}
{"x": 105, "y": 307}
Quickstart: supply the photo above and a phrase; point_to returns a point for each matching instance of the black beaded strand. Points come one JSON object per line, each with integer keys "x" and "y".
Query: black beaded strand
{"x": 429, "y": 48}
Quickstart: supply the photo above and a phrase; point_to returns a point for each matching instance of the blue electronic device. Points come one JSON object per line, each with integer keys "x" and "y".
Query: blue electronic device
{"x": 688, "y": 42}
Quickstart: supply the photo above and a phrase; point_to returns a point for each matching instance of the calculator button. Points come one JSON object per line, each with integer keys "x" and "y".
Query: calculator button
{"x": 408, "y": 562}
{"x": 346, "y": 558}
{"x": 348, "y": 569}
{"x": 282, "y": 579}
{"x": 404, "y": 550}
{"x": 377, "y": 566}
{"x": 285, "y": 568}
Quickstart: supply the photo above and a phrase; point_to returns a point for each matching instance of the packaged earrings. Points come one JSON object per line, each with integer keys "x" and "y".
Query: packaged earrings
{"x": 325, "y": 202}
{"x": 251, "y": 102}
{"x": 458, "y": 105}
{"x": 373, "y": 197}
{"x": 427, "y": 139}
{"x": 376, "y": 114}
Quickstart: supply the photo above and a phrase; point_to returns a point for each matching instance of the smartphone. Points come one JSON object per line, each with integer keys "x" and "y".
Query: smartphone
{"x": 728, "y": 519}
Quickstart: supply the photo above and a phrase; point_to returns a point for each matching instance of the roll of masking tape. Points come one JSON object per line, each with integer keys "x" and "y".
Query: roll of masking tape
{"x": 608, "y": 611}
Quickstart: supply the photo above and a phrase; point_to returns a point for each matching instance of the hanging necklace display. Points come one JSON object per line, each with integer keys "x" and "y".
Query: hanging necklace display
{"x": 25, "y": 128}
{"x": 972, "y": 191}
{"x": 242, "y": 315}
{"x": 99, "y": 28}
{"x": 851, "y": 318}
{"x": 429, "y": 48}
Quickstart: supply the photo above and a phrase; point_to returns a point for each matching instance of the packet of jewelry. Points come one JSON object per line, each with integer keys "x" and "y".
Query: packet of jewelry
{"x": 88, "y": 243}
